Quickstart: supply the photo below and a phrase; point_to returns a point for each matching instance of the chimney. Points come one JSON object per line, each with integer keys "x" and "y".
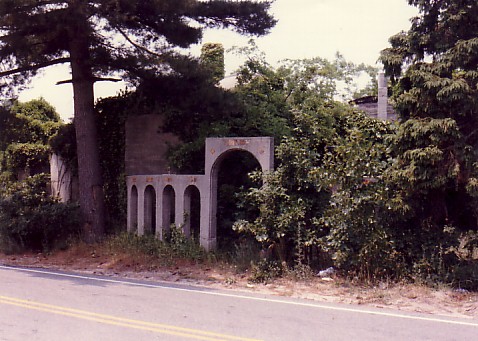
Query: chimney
{"x": 382, "y": 97}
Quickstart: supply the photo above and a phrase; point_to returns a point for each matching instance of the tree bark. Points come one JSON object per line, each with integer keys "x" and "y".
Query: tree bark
{"x": 89, "y": 172}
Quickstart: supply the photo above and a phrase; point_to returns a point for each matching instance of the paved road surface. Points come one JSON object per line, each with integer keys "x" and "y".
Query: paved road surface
{"x": 42, "y": 305}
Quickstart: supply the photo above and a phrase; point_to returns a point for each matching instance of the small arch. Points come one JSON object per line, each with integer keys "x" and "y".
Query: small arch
{"x": 149, "y": 210}
{"x": 133, "y": 222}
{"x": 169, "y": 206}
{"x": 192, "y": 210}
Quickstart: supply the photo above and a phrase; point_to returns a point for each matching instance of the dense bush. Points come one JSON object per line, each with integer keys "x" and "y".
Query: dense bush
{"x": 31, "y": 220}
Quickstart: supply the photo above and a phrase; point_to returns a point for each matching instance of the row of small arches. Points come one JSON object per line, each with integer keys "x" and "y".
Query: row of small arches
{"x": 190, "y": 218}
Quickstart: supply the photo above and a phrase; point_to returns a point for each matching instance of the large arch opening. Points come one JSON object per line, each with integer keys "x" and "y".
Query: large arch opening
{"x": 133, "y": 222}
{"x": 231, "y": 172}
{"x": 169, "y": 207}
{"x": 149, "y": 210}
{"x": 192, "y": 208}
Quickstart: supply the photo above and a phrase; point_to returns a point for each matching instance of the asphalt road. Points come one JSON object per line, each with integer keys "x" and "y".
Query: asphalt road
{"x": 42, "y": 305}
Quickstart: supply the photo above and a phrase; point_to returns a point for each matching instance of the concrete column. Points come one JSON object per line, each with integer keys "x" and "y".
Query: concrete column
{"x": 187, "y": 213}
{"x": 159, "y": 213}
{"x": 129, "y": 208}
{"x": 207, "y": 233}
{"x": 179, "y": 206}
{"x": 140, "y": 210}
{"x": 382, "y": 97}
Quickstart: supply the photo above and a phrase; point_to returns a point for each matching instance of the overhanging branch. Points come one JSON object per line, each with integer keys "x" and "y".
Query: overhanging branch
{"x": 34, "y": 67}
{"x": 95, "y": 79}
{"x": 136, "y": 45}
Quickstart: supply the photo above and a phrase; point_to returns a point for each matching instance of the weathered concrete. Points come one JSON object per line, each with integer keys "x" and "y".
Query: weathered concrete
{"x": 63, "y": 185}
{"x": 147, "y": 145}
{"x": 382, "y": 97}
{"x": 154, "y": 199}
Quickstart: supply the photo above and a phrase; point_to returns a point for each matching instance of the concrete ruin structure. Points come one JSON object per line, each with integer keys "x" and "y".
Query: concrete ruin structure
{"x": 377, "y": 106}
{"x": 155, "y": 201}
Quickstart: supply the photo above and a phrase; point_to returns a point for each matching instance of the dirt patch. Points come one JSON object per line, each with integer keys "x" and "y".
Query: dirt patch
{"x": 406, "y": 297}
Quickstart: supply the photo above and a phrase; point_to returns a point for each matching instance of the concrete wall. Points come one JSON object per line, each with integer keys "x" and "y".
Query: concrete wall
{"x": 147, "y": 145}
{"x": 63, "y": 184}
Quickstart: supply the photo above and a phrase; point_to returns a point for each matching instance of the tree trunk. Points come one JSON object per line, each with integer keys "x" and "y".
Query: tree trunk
{"x": 90, "y": 180}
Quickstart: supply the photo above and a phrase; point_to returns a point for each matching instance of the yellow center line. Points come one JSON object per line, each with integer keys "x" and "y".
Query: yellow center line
{"x": 119, "y": 321}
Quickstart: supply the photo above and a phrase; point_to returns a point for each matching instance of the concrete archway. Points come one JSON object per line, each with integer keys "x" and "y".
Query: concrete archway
{"x": 262, "y": 148}
{"x": 158, "y": 200}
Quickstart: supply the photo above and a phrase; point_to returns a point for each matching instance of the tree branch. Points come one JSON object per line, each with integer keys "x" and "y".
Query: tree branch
{"x": 34, "y": 67}
{"x": 136, "y": 45}
{"x": 95, "y": 79}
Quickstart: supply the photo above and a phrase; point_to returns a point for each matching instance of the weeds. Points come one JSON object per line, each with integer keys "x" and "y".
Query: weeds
{"x": 177, "y": 246}
{"x": 266, "y": 270}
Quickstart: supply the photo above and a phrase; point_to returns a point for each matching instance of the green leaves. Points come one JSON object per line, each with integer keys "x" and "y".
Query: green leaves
{"x": 25, "y": 131}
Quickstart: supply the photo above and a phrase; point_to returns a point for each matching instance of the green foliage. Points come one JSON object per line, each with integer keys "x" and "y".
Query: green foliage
{"x": 31, "y": 220}
{"x": 34, "y": 121}
{"x": 111, "y": 119}
{"x": 177, "y": 247}
{"x": 266, "y": 270}
{"x": 64, "y": 144}
{"x": 358, "y": 234}
{"x": 27, "y": 157}
{"x": 261, "y": 104}
{"x": 184, "y": 247}
{"x": 291, "y": 197}
{"x": 212, "y": 58}
{"x": 432, "y": 182}
{"x": 25, "y": 131}
{"x": 36, "y": 109}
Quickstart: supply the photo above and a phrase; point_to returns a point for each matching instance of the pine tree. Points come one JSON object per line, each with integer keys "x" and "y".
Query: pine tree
{"x": 99, "y": 37}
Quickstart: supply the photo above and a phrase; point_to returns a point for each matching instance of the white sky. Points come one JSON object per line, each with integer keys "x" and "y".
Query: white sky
{"x": 306, "y": 29}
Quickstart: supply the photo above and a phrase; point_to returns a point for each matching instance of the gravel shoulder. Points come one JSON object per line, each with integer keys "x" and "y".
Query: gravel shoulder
{"x": 405, "y": 297}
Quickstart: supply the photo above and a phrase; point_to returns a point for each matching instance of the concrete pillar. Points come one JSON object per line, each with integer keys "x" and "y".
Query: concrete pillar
{"x": 179, "y": 207}
{"x": 207, "y": 233}
{"x": 159, "y": 213}
{"x": 60, "y": 178}
{"x": 141, "y": 210}
{"x": 382, "y": 97}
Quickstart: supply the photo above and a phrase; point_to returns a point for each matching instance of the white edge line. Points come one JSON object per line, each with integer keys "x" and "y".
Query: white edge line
{"x": 252, "y": 298}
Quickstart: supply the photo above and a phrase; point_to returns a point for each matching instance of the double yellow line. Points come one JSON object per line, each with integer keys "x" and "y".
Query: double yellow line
{"x": 119, "y": 321}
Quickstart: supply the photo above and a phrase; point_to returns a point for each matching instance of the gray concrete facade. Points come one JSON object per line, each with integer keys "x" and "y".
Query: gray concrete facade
{"x": 158, "y": 200}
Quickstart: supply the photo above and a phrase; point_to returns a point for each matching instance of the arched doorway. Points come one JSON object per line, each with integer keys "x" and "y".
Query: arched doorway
{"x": 231, "y": 172}
{"x": 192, "y": 208}
{"x": 169, "y": 207}
{"x": 149, "y": 210}
{"x": 133, "y": 222}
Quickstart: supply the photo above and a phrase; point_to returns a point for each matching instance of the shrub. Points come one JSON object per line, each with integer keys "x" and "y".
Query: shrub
{"x": 266, "y": 270}
{"x": 31, "y": 220}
